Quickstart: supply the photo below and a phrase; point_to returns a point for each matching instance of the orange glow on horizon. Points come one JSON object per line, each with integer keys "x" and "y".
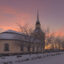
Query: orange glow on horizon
{"x": 48, "y": 46}
{"x": 61, "y": 34}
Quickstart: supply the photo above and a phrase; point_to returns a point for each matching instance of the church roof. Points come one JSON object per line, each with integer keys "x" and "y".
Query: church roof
{"x": 13, "y": 35}
{"x": 12, "y": 31}
{"x": 9, "y": 34}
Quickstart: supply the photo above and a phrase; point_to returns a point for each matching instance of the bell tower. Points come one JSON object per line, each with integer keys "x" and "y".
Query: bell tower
{"x": 38, "y": 33}
{"x": 37, "y": 25}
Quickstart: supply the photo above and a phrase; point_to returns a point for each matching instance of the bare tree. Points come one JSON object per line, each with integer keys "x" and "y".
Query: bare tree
{"x": 59, "y": 42}
{"x": 25, "y": 29}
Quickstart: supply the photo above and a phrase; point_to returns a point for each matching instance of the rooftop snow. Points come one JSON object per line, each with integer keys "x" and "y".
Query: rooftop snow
{"x": 13, "y": 35}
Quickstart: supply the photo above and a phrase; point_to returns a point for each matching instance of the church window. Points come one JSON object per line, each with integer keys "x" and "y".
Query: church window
{"x": 6, "y": 47}
{"x": 22, "y": 47}
{"x": 29, "y": 48}
{"x": 37, "y": 48}
{"x": 33, "y": 48}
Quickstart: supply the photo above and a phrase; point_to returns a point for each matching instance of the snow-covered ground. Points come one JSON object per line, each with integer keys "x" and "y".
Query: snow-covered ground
{"x": 48, "y": 58}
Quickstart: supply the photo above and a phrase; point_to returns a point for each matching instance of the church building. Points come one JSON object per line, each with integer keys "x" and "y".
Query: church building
{"x": 12, "y": 42}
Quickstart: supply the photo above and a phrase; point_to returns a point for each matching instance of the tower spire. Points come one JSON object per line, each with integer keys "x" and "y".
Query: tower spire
{"x": 37, "y": 22}
{"x": 37, "y": 15}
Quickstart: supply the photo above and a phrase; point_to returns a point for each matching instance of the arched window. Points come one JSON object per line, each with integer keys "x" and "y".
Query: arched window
{"x": 22, "y": 48}
{"x": 33, "y": 48}
{"x": 37, "y": 48}
{"x": 28, "y": 48}
{"x": 6, "y": 47}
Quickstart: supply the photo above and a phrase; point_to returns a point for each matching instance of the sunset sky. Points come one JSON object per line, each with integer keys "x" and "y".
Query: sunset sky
{"x": 51, "y": 14}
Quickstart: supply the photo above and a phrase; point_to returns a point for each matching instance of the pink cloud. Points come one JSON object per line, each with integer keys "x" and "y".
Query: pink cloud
{"x": 17, "y": 17}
